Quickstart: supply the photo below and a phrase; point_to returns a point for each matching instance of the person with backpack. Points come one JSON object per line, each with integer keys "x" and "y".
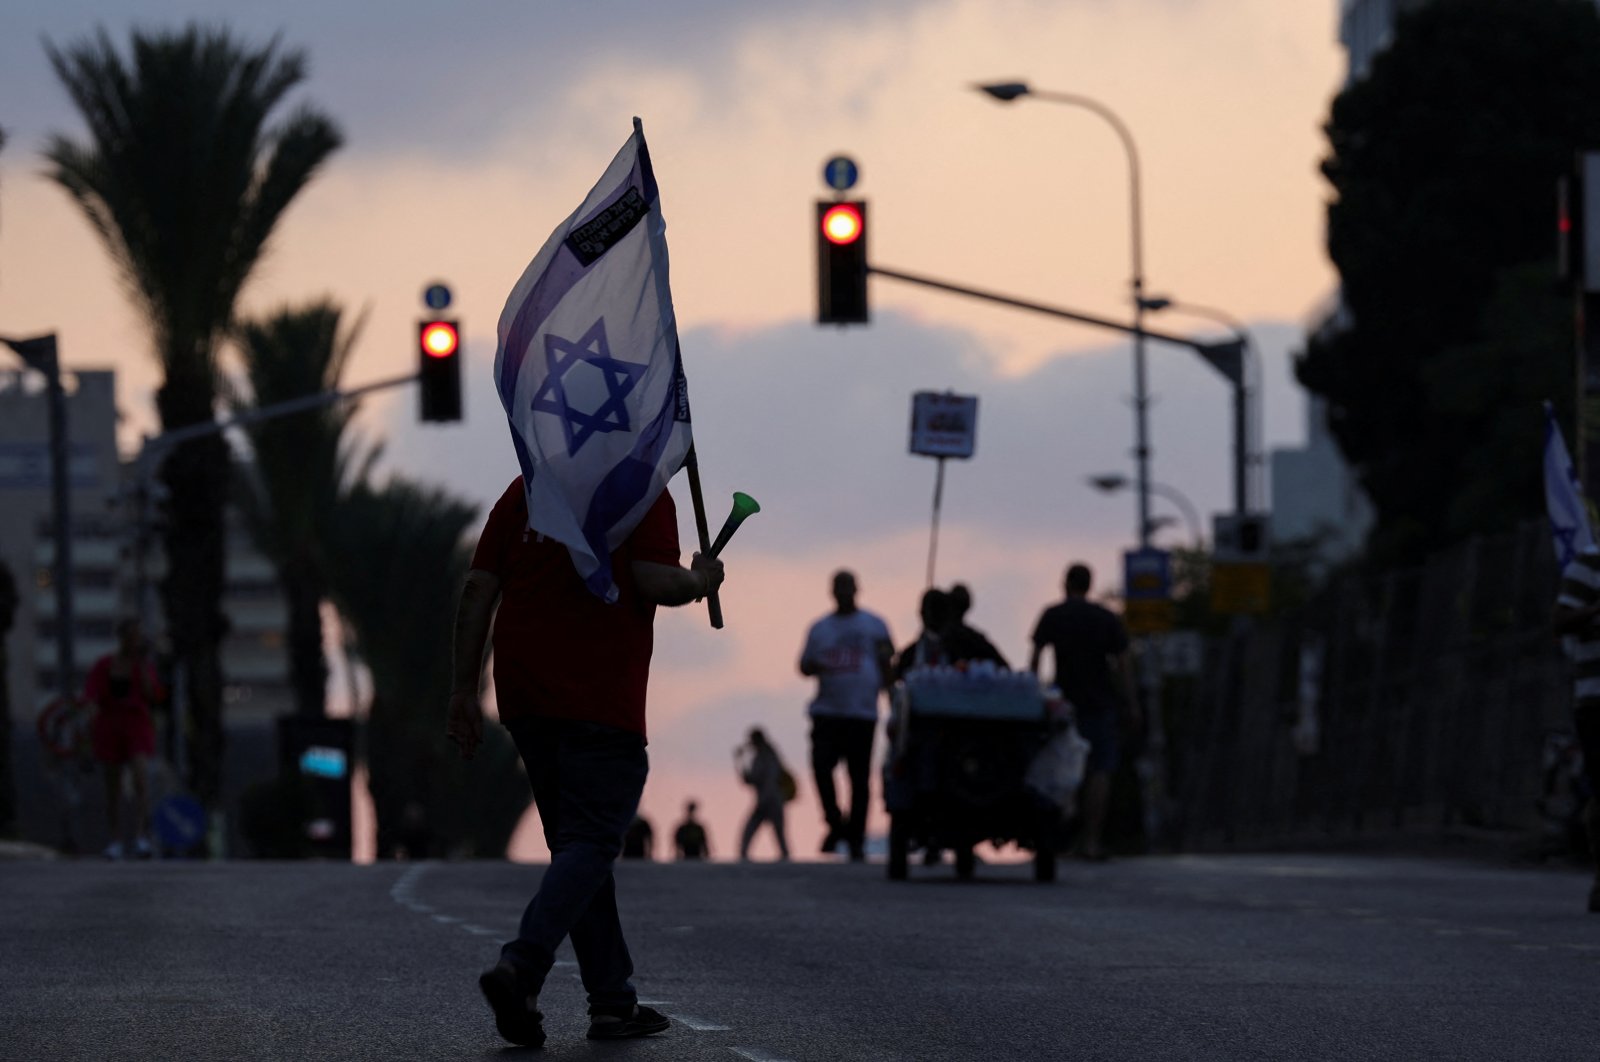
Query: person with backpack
{"x": 761, "y": 768}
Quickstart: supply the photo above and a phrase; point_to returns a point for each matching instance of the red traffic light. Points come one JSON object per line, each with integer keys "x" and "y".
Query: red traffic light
{"x": 439, "y": 339}
{"x": 841, "y": 224}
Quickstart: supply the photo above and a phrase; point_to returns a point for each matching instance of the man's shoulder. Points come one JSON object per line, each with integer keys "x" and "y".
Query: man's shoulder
{"x": 872, "y": 619}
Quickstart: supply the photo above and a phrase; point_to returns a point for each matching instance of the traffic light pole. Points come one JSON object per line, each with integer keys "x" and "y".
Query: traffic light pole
{"x": 155, "y": 446}
{"x": 1227, "y": 358}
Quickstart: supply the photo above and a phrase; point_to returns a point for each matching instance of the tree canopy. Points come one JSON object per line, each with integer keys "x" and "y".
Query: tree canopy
{"x": 1444, "y": 163}
{"x": 184, "y": 180}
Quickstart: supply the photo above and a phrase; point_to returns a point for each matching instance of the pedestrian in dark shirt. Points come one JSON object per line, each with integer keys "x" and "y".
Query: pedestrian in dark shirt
{"x": 964, "y": 643}
{"x": 928, "y": 649}
{"x": 640, "y": 840}
{"x": 1092, "y": 669}
{"x": 690, "y": 838}
{"x": 761, "y": 768}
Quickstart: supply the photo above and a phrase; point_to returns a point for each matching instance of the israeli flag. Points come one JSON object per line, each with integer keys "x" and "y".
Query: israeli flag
{"x": 1563, "y": 496}
{"x": 589, "y": 371}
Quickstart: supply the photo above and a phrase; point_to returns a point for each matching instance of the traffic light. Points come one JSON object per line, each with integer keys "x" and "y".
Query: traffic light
{"x": 841, "y": 262}
{"x": 439, "y": 370}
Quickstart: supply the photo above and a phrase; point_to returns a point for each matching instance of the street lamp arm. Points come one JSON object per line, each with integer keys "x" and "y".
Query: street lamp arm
{"x": 1135, "y": 182}
{"x": 1191, "y": 516}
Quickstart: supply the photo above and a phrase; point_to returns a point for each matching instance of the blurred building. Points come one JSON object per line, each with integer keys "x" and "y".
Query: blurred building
{"x": 105, "y": 570}
{"x": 104, "y": 540}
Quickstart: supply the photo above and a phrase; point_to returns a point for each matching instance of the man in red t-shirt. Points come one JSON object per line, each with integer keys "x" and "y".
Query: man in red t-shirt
{"x": 569, "y": 673}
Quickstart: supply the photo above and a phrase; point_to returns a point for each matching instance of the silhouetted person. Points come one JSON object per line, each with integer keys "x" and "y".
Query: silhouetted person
{"x": 640, "y": 840}
{"x": 964, "y": 643}
{"x": 928, "y": 649}
{"x": 690, "y": 840}
{"x": 570, "y": 673}
{"x": 848, "y": 652}
{"x": 1094, "y": 673}
{"x": 122, "y": 686}
{"x": 1577, "y": 615}
{"x": 761, "y": 768}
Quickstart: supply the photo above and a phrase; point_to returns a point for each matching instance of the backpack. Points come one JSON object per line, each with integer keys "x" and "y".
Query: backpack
{"x": 787, "y": 785}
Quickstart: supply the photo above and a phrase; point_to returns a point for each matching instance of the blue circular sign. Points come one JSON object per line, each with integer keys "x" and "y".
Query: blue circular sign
{"x": 840, "y": 173}
{"x": 437, "y": 297}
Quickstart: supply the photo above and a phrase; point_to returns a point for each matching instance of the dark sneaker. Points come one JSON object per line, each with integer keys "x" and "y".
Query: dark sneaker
{"x": 608, "y": 1024}
{"x": 831, "y": 842}
{"x": 516, "y": 1020}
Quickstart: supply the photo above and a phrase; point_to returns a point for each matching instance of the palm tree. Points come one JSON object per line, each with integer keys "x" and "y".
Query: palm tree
{"x": 289, "y": 493}
{"x": 184, "y": 181}
{"x": 398, "y": 566}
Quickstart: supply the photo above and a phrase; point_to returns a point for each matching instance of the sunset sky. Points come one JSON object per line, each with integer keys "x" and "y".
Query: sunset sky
{"x": 473, "y": 128}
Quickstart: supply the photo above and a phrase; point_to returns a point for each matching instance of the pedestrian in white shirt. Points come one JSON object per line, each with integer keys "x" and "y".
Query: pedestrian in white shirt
{"x": 848, "y": 652}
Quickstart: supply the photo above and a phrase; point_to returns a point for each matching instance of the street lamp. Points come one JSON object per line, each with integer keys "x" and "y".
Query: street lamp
{"x": 1110, "y": 483}
{"x": 1247, "y": 385}
{"x": 1007, "y": 92}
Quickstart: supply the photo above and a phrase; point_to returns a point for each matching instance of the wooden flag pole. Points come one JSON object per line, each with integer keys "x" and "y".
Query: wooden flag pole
{"x": 692, "y": 465}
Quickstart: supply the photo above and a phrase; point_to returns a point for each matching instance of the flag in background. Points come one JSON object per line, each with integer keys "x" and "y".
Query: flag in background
{"x": 1563, "y": 496}
{"x": 589, "y": 372}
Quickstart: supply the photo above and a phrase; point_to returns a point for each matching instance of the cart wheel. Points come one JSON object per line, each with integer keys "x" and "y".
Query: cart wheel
{"x": 1044, "y": 864}
{"x": 966, "y": 863}
{"x": 899, "y": 847}
{"x": 1044, "y": 847}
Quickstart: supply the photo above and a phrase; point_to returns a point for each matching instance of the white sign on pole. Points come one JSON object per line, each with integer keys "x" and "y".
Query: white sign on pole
{"x": 944, "y": 424}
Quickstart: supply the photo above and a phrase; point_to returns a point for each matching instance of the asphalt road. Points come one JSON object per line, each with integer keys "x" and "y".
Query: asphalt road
{"x": 1240, "y": 957}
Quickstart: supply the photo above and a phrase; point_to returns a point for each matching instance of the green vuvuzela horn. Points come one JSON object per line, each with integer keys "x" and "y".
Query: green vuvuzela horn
{"x": 743, "y": 506}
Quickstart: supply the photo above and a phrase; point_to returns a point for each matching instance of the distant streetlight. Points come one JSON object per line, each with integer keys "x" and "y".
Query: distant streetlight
{"x": 1247, "y": 397}
{"x": 1112, "y": 482}
{"x": 1008, "y": 92}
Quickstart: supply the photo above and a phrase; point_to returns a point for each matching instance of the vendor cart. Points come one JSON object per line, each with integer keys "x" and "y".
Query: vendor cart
{"x": 958, "y": 768}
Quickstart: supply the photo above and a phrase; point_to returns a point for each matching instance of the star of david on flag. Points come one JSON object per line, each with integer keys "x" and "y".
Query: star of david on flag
{"x": 589, "y": 371}
{"x": 1563, "y": 496}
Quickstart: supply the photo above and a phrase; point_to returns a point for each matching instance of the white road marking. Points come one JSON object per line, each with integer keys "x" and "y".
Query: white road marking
{"x": 446, "y": 919}
{"x": 478, "y": 931}
{"x": 1448, "y": 932}
{"x": 655, "y": 1002}
{"x": 699, "y": 1025}
{"x": 755, "y": 1054}
{"x": 1531, "y": 947}
{"x": 1491, "y": 931}
{"x": 420, "y": 908}
{"x": 565, "y": 962}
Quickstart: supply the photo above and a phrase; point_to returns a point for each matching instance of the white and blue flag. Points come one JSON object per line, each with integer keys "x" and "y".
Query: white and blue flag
{"x": 589, "y": 371}
{"x": 1563, "y": 496}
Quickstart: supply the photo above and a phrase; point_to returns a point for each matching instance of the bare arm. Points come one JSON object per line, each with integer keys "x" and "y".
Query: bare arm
{"x": 670, "y": 584}
{"x": 474, "y": 613}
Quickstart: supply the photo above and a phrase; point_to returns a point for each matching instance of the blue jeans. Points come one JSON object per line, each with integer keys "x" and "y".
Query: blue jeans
{"x": 587, "y": 779}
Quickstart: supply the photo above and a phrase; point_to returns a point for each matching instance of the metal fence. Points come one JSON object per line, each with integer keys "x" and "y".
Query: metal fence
{"x": 1416, "y": 703}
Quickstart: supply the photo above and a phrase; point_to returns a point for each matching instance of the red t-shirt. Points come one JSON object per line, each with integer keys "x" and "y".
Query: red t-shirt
{"x": 559, "y": 651}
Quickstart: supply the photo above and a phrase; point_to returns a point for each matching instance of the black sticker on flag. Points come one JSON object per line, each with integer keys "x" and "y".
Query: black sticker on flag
{"x": 606, "y": 229}
{"x": 680, "y": 383}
